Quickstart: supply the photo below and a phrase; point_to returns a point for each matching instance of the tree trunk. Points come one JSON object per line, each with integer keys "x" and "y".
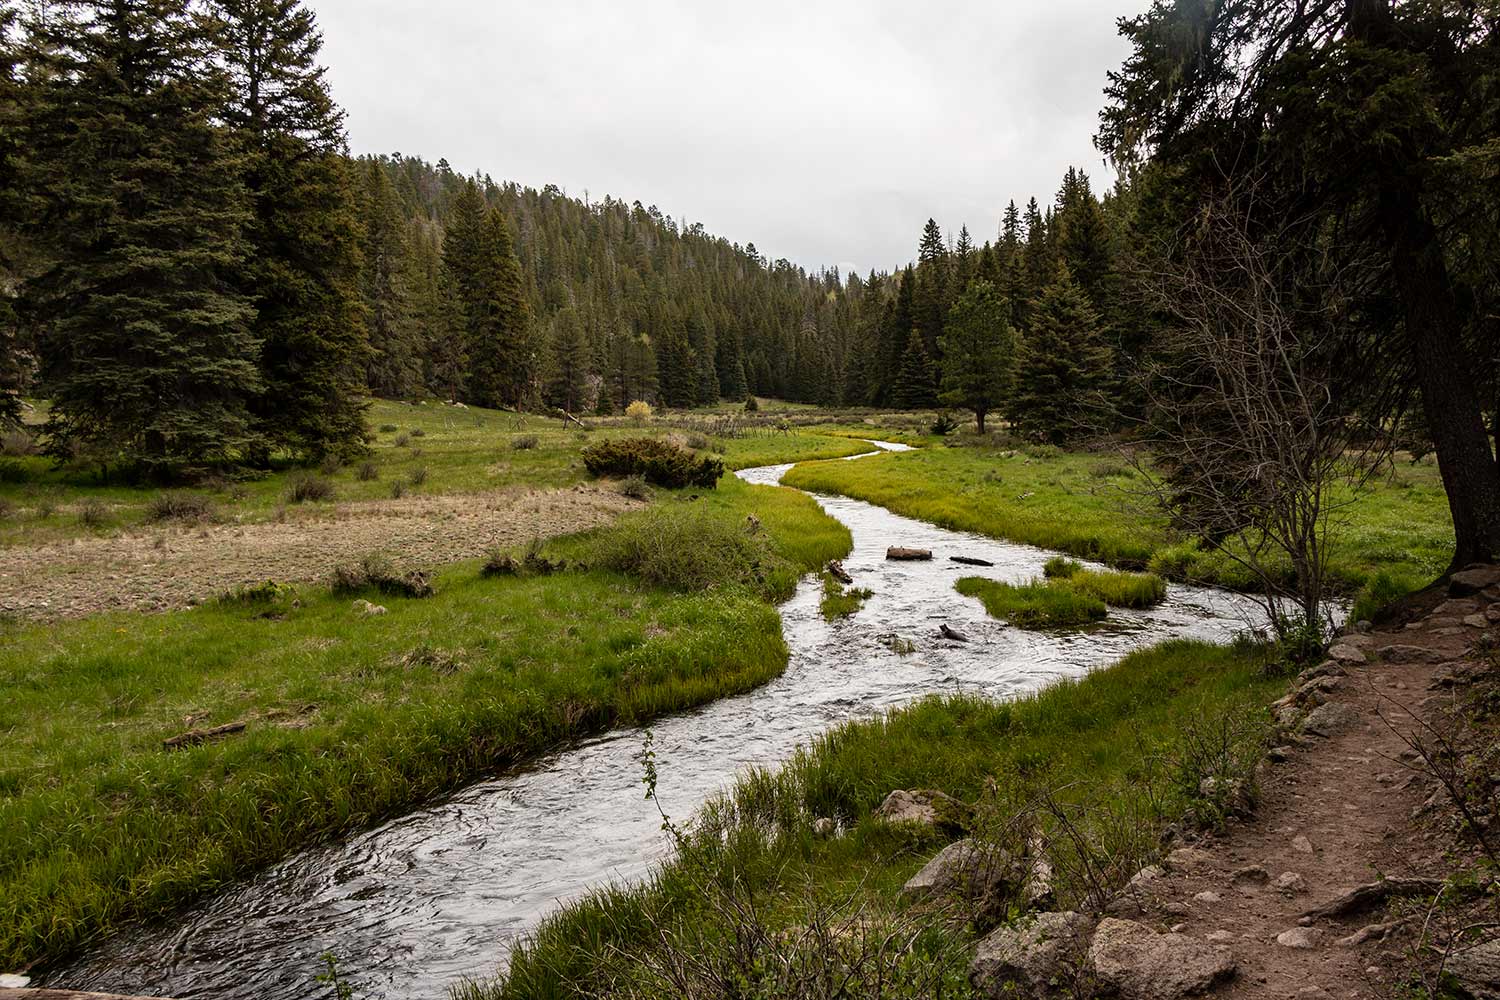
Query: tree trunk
{"x": 979, "y": 419}
{"x": 1450, "y": 398}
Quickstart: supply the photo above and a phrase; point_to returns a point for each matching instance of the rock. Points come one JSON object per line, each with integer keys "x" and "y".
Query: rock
{"x": 365, "y": 609}
{"x": 1220, "y": 937}
{"x": 1473, "y": 579}
{"x": 11, "y": 981}
{"x": 1288, "y": 716}
{"x": 1301, "y": 844}
{"x": 1188, "y": 858}
{"x": 1492, "y": 613}
{"x": 824, "y": 827}
{"x": 1207, "y": 896}
{"x": 1179, "y": 928}
{"x": 1177, "y": 909}
{"x": 1477, "y": 970}
{"x": 1279, "y": 755}
{"x": 1460, "y": 607}
{"x": 1140, "y": 964}
{"x": 1345, "y": 653}
{"x": 968, "y": 869}
{"x": 1306, "y": 938}
{"x": 1146, "y": 875}
{"x": 1476, "y": 621}
{"x": 1329, "y": 719}
{"x": 1328, "y": 668}
{"x": 1445, "y": 633}
{"x": 1362, "y": 626}
{"x": 1028, "y": 956}
{"x": 926, "y": 807}
{"x": 1291, "y": 883}
{"x": 1400, "y": 653}
{"x": 1250, "y": 875}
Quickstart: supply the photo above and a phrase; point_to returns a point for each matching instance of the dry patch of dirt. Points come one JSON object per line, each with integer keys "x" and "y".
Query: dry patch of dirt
{"x": 175, "y": 567}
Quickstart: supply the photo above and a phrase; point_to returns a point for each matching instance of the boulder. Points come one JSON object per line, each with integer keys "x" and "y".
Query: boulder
{"x": 1477, "y": 970}
{"x": 926, "y": 807}
{"x": 1343, "y": 652}
{"x": 1328, "y": 668}
{"x": 1303, "y": 938}
{"x": 824, "y": 826}
{"x": 1400, "y": 653}
{"x": 1140, "y": 964}
{"x": 964, "y": 868}
{"x": 1025, "y": 960}
{"x": 1473, "y": 579}
{"x": 1477, "y": 620}
{"x": 1329, "y": 719}
{"x": 1291, "y": 883}
{"x": 1457, "y": 608}
{"x": 1301, "y": 844}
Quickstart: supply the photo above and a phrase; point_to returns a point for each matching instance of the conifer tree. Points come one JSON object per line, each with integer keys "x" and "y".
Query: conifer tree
{"x": 479, "y": 254}
{"x": 931, "y": 291}
{"x": 395, "y": 357}
{"x": 978, "y": 352}
{"x": 150, "y": 358}
{"x": 568, "y": 366}
{"x": 1036, "y": 263}
{"x": 1062, "y": 365}
{"x": 706, "y": 376}
{"x": 915, "y": 387}
{"x": 13, "y": 214}
{"x": 964, "y": 261}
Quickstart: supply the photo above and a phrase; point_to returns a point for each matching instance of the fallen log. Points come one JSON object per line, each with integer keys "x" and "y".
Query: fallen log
{"x": 1372, "y": 894}
{"x": 837, "y": 571}
{"x": 970, "y": 561}
{"x": 899, "y": 552}
{"x": 195, "y": 736}
{"x": 950, "y": 633}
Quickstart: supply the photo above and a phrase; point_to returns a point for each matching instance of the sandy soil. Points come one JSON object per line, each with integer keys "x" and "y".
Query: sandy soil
{"x": 1336, "y": 813}
{"x": 173, "y": 567}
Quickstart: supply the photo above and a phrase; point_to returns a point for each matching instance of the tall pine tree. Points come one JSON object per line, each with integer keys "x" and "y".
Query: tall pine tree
{"x": 978, "y": 352}
{"x": 150, "y": 357}
{"x": 1063, "y": 365}
{"x": 568, "y": 366}
{"x": 394, "y": 369}
{"x": 14, "y": 363}
{"x": 914, "y": 388}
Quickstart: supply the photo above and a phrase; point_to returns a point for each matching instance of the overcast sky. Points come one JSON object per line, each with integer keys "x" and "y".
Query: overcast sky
{"x": 824, "y": 131}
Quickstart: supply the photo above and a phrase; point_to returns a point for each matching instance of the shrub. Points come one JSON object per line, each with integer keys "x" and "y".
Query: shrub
{"x": 305, "y": 486}
{"x": 1111, "y": 470}
{"x": 688, "y": 547}
{"x": 524, "y": 442}
{"x": 1043, "y": 451}
{"x": 660, "y": 462}
{"x": 402, "y": 440}
{"x": 1033, "y": 605}
{"x": 1381, "y": 590}
{"x": 639, "y": 410}
{"x": 367, "y": 472}
{"x": 943, "y": 425}
{"x": 635, "y": 487}
{"x": 377, "y": 572}
{"x": 179, "y": 507}
{"x": 418, "y": 432}
{"x": 418, "y": 476}
{"x": 697, "y": 442}
{"x": 387, "y": 428}
{"x": 398, "y": 489}
{"x": 44, "y": 502}
{"x": 93, "y": 513}
{"x": 17, "y": 442}
{"x": 751, "y": 405}
{"x": 269, "y": 592}
{"x": 14, "y": 471}
{"x": 7, "y": 509}
{"x": 533, "y": 562}
{"x": 1061, "y": 566}
{"x": 330, "y": 465}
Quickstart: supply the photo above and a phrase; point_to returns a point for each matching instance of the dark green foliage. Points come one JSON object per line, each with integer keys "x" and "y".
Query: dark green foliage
{"x": 978, "y": 351}
{"x": 568, "y": 367}
{"x": 480, "y": 259}
{"x": 942, "y": 425}
{"x": 914, "y": 388}
{"x": 15, "y": 361}
{"x": 1062, "y": 367}
{"x": 660, "y": 462}
{"x": 149, "y": 354}
{"x": 396, "y": 352}
{"x": 303, "y": 267}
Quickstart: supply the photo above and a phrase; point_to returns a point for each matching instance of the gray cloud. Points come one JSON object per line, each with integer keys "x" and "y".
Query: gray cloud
{"x": 823, "y": 132}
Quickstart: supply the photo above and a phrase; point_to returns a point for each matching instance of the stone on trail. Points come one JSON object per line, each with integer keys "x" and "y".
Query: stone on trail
{"x": 1477, "y": 621}
{"x": 1330, "y": 719}
{"x": 1477, "y": 970}
{"x": 1026, "y": 959}
{"x": 1141, "y": 964}
{"x": 1345, "y": 653}
{"x": 1250, "y": 875}
{"x": 1402, "y": 653}
{"x": 1473, "y": 579}
{"x": 1187, "y": 858}
{"x": 1305, "y": 938}
{"x": 1301, "y": 844}
{"x": 1291, "y": 882}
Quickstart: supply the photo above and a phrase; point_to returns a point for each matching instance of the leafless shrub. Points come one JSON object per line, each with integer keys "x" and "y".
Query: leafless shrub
{"x": 304, "y": 487}
{"x": 417, "y": 476}
{"x": 402, "y": 440}
{"x": 93, "y": 513}
{"x": 376, "y": 571}
{"x": 367, "y": 472}
{"x": 17, "y": 442}
{"x": 190, "y": 507}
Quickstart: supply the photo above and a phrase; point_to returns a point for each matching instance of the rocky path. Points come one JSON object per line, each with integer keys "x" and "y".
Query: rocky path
{"x": 1344, "y": 803}
{"x": 174, "y": 567}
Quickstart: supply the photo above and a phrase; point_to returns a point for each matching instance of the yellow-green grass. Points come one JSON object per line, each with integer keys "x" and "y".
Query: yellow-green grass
{"x": 1035, "y": 604}
{"x": 450, "y": 449}
{"x": 349, "y": 718}
{"x": 1083, "y": 504}
{"x": 1096, "y": 741}
{"x": 839, "y": 601}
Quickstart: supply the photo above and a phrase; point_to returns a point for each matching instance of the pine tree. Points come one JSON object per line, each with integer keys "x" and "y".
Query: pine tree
{"x": 706, "y": 375}
{"x": 1008, "y": 252}
{"x": 395, "y": 358}
{"x": 1083, "y": 241}
{"x": 568, "y": 366}
{"x": 915, "y": 388}
{"x": 14, "y": 362}
{"x": 931, "y": 290}
{"x": 1062, "y": 366}
{"x": 479, "y": 254}
{"x": 978, "y": 352}
{"x": 149, "y": 356}
{"x": 964, "y": 261}
{"x": 1035, "y": 264}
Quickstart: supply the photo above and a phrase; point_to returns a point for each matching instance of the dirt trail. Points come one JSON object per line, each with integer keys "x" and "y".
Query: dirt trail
{"x": 1336, "y": 811}
{"x": 174, "y": 566}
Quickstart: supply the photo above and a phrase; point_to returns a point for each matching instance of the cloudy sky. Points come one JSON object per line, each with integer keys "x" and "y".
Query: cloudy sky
{"x": 825, "y": 131}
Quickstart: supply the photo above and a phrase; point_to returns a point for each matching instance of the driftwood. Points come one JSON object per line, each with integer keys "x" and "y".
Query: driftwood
{"x": 950, "y": 633}
{"x": 568, "y": 417}
{"x": 837, "y": 571}
{"x": 970, "y": 561}
{"x": 898, "y": 552}
{"x": 29, "y": 993}
{"x": 195, "y": 736}
{"x": 1371, "y": 895}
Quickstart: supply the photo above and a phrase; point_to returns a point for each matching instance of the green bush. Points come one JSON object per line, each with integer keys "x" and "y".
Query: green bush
{"x": 660, "y": 462}
{"x": 1383, "y": 589}
{"x": 688, "y": 547}
{"x": 524, "y": 442}
{"x": 751, "y": 405}
{"x": 14, "y": 471}
{"x": 943, "y": 425}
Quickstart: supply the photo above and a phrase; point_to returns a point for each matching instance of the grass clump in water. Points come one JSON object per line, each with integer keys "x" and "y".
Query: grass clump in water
{"x": 840, "y": 601}
{"x": 1033, "y": 605}
{"x": 1118, "y": 590}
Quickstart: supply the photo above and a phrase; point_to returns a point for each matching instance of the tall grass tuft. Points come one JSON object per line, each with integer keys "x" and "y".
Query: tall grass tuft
{"x": 1037, "y": 604}
{"x": 686, "y": 547}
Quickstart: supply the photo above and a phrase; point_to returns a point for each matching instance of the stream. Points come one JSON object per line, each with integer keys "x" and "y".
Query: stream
{"x": 412, "y": 906}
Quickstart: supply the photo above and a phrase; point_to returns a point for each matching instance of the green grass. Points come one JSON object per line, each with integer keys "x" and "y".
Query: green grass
{"x": 1081, "y": 505}
{"x": 1097, "y": 740}
{"x": 461, "y": 450}
{"x": 1034, "y": 605}
{"x": 839, "y": 601}
{"x": 353, "y": 718}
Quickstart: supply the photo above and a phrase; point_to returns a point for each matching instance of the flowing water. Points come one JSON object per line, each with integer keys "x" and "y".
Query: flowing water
{"x": 413, "y": 905}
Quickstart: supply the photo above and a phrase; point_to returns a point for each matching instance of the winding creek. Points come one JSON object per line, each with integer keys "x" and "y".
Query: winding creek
{"x": 412, "y": 906}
